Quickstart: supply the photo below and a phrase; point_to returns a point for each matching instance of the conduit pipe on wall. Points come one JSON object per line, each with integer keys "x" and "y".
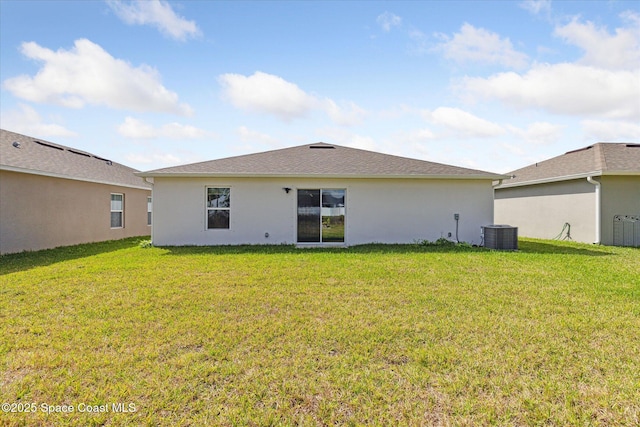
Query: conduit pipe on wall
{"x": 150, "y": 182}
{"x": 598, "y": 206}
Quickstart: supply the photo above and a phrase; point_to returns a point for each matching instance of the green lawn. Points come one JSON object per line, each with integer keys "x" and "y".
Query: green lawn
{"x": 370, "y": 335}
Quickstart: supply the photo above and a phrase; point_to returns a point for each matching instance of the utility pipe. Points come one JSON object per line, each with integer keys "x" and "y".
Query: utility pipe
{"x": 598, "y": 207}
{"x": 150, "y": 181}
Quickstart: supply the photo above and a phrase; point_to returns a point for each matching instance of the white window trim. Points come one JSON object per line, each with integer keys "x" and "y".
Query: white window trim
{"x": 149, "y": 211}
{"x": 207, "y": 209}
{"x": 121, "y": 211}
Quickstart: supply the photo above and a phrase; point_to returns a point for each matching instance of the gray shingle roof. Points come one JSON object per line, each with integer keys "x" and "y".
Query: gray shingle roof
{"x": 21, "y": 153}
{"x": 322, "y": 160}
{"x": 603, "y": 158}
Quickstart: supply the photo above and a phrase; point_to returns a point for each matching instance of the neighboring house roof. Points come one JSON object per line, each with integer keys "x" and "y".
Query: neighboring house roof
{"x": 21, "y": 153}
{"x": 603, "y": 158}
{"x": 321, "y": 160}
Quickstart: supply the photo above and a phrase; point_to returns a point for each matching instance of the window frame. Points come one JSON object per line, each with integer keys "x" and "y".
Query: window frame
{"x": 324, "y": 238}
{"x": 149, "y": 210}
{"x": 216, "y": 208}
{"x": 120, "y": 211}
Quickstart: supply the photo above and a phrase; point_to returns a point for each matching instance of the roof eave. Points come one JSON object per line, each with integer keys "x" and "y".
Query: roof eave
{"x": 624, "y": 172}
{"x": 72, "y": 178}
{"x": 548, "y": 180}
{"x": 567, "y": 178}
{"x": 316, "y": 176}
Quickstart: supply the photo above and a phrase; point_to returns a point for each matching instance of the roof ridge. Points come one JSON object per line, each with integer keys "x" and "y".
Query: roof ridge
{"x": 601, "y": 158}
{"x": 61, "y": 147}
{"x": 27, "y": 154}
{"x": 324, "y": 160}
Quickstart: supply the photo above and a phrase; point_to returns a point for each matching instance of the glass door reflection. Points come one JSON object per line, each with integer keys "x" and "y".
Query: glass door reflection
{"x": 333, "y": 215}
{"x": 309, "y": 216}
{"x": 321, "y": 216}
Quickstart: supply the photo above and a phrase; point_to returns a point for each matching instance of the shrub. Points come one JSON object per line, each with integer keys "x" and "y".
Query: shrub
{"x": 145, "y": 244}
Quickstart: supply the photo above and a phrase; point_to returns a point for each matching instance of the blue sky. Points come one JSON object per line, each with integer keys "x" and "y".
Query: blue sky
{"x": 481, "y": 84}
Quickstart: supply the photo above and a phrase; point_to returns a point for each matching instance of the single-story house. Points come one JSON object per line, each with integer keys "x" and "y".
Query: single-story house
{"x": 318, "y": 194}
{"x": 52, "y": 195}
{"x": 588, "y": 195}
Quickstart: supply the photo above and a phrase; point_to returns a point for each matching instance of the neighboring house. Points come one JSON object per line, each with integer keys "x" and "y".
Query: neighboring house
{"x": 51, "y": 195}
{"x": 592, "y": 193}
{"x": 318, "y": 194}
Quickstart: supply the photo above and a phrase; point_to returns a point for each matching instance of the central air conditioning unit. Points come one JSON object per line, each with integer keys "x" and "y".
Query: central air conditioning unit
{"x": 626, "y": 230}
{"x": 504, "y": 237}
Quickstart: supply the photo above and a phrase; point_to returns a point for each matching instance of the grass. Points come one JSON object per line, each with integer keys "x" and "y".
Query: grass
{"x": 369, "y": 335}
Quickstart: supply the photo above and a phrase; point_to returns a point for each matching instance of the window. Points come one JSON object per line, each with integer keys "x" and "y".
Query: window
{"x": 148, "y": 210}
{"x": 218, "y": 207}
{"x": 117, "y": 210}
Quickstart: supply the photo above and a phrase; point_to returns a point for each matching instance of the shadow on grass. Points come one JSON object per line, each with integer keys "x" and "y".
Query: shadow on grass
{"x": 562, "y": 248}
{"x": 292, "y": 249}
{"x": 525, "y": 246}
{"x": 27, "y": 260}
{"x": 31, "y": 259}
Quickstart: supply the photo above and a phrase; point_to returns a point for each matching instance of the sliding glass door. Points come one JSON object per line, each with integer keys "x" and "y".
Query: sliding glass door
{"x": 308, "y": 216}
{"x": 321, "y": 216}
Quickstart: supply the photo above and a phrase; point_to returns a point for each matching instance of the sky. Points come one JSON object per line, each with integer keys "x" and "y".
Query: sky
{"x": 490, "y": 85}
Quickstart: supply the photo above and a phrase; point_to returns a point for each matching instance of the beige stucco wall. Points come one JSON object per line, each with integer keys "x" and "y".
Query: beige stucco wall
{"x": 377, "y": 210}
{"x": 542, "y": 210}
{"x": 620, "y": 196}
{"x": 39, "y": 212}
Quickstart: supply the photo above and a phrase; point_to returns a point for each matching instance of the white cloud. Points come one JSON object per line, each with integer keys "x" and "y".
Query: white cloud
{"x": 347, "y": 114}
{"x": 348, "y": 139}
{"x": 463, "y": 123}
{"x": 473, "y": 44}
{"x": 601, "y": 49}
{"x": 179, "y": 131}
{"x": 362, "y": 142}
{"x": 146, "y": 159}
{"x": 632, "y": 17}
{"x": 136, "y": 129}
{"x": 388, "y": 20}
{"x": 513, "y": 149}
{"x": 611, "y": 131}
{"x": 538, "y": 133}
{"x": 420, "y": 135}
{"x": 270, "y": 94}
{"x": 252, "y": 136}
{"x": 153, "y": 158}
{"x": 418, "y": 44}
{"x": 157, "y": 13}
{"x": 398, "y": 111}
{"x": 266, "y": 93}
{"x": 563, "y": 89}
{"x": 27, "y": 121}
{"x": 536, "y": 6}
{"x": 87, "y": 74}
{"x": 603, "y": 83}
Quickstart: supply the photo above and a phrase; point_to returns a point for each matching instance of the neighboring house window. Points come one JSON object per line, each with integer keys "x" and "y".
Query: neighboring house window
{"x": 117, "y": 210}
{"x": 148, "y": 210}
{"x": 218, "y": 207}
